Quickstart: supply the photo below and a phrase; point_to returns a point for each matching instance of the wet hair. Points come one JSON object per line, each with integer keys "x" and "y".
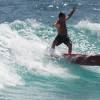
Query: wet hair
{"x": 61, "y": 14}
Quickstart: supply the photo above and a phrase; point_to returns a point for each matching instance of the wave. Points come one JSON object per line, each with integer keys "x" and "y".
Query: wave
{"x": 86, "y": 24}
{"x": 8, "y": 76}
{"x": 21, "y": 47}
{"x": 86, "y": 37}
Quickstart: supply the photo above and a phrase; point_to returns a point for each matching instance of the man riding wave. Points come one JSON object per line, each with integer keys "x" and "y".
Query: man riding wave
{"x": 62, "y": 36}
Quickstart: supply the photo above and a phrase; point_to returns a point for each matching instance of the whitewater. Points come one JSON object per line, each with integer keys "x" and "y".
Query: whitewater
{"x": 26, "y": 31}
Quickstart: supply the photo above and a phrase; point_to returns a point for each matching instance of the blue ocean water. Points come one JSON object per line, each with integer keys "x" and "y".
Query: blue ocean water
{"x": 26, "y": 31}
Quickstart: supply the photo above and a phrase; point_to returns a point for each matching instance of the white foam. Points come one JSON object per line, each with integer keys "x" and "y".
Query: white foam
{"x": 27, "y": 23}
{"x": 96, "y": 9}
{"x": 8, "y": 76}
{"x": 95, "y": 69}
{"x": 86, "y": 24}
{"x": 28, "y": 52}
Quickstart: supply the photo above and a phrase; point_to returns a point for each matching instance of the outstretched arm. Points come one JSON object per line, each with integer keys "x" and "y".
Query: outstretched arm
{"x": 71, "y": 13}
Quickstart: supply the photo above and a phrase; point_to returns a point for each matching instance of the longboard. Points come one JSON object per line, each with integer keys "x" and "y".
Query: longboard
{"x": 83, "y": 59}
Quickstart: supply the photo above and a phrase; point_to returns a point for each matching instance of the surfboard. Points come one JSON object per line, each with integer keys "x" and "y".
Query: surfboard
{"x": 80, "y": 59}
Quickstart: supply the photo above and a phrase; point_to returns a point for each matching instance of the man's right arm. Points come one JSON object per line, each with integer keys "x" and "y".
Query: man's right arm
{"x": 56, "y": 24}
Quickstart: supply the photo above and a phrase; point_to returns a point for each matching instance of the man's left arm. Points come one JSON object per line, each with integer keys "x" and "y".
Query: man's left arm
{"x": 71, "y": 13}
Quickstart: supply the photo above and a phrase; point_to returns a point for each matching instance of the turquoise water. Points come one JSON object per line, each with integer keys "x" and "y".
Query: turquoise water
{"x": 26, "y": 31}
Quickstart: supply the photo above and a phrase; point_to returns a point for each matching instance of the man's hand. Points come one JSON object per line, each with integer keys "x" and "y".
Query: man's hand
{"x": 74, "y": 8}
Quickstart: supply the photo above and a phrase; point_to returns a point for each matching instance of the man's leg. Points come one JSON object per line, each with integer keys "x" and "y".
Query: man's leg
{"x": 68, "y": 42}
{"x": 52, "y": 50}
{"x": 70, "y": 48}
{"x": 53, "y": 44}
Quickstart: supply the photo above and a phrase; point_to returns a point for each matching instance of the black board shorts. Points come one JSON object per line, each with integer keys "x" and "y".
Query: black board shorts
{"x": 62, "y": 39}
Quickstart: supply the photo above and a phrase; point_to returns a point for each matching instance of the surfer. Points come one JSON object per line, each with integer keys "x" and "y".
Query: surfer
{"x": 62, "y": 36}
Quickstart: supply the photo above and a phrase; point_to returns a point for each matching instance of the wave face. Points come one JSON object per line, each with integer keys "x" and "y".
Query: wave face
{"x": 26, "y": 32}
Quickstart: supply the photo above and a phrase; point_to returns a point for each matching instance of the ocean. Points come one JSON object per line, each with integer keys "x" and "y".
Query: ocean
{"x": 27, "y": 31}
